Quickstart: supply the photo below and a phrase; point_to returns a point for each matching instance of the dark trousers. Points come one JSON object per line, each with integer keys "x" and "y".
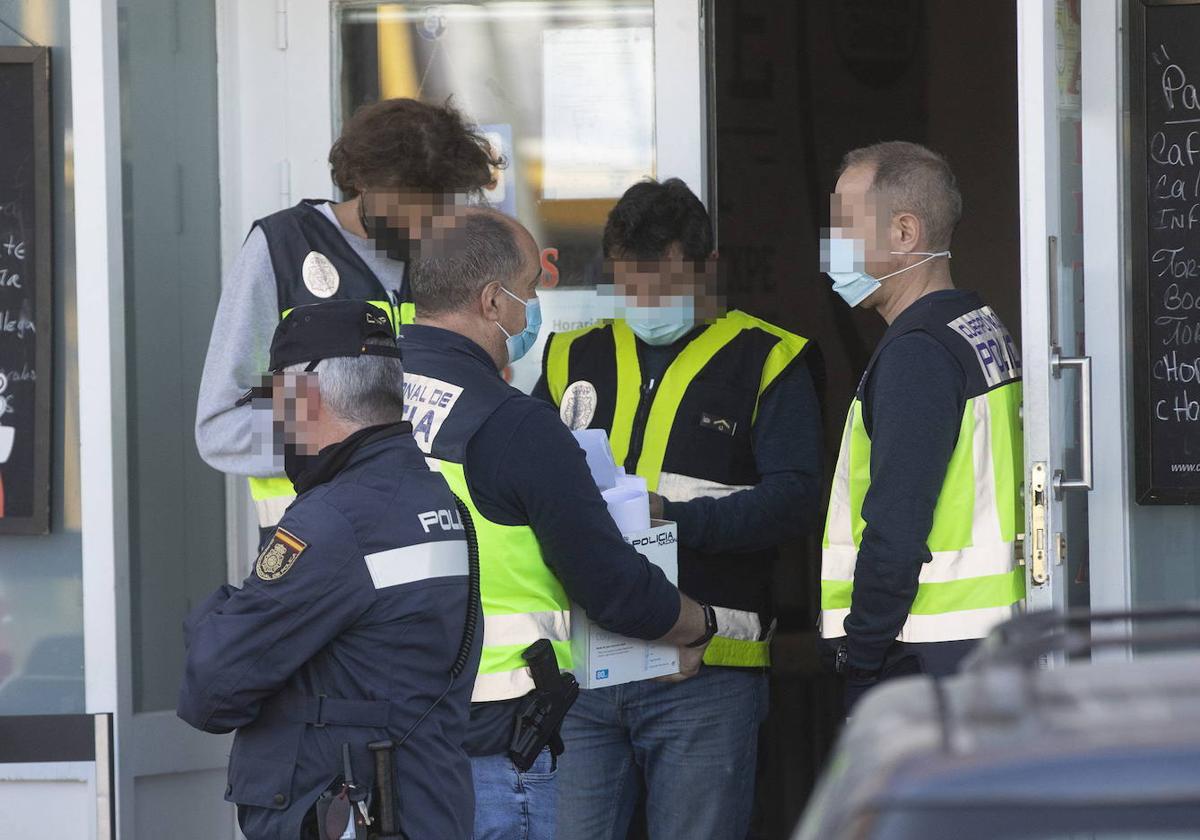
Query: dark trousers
{"x": 938, "y": 659}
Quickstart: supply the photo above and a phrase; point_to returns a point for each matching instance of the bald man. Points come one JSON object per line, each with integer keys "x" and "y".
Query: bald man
{"x": 545, "y": 536}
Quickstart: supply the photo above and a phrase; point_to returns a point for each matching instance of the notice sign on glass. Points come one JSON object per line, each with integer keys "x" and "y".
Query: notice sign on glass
{"x": 26, "y": 374}
{"x": 598, "y": 111}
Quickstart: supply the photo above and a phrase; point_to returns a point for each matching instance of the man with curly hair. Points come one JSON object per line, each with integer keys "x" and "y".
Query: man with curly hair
{"x": 406, "y": 168}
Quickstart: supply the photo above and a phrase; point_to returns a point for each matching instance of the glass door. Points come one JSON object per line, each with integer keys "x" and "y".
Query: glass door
{"x": 583, "y": 97}
{"x": 563, "y": 90}
{"x": 171, "y": 777}
{"x": 1057, "y": 372}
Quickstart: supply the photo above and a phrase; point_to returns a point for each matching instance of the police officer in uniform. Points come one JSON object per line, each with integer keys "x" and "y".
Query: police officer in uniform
{"x": 357, "y": 624}
{"x": 546, "y": 538}
{"x": 925, "y": 507}
{"x": 319, "y": 250}
{"x": 717, "y": 411}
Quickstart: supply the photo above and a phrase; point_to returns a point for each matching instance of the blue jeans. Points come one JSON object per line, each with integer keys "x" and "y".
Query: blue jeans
{"x": 692, "y": 744}
{"x": 510, "y": 805}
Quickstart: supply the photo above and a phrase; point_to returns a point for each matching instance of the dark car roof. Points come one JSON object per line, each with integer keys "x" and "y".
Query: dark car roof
{"x": 1125, "y": 730}
{"x": 1055, "y": 771}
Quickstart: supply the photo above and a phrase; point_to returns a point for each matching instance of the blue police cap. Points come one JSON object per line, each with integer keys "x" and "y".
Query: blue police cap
{"x": 328, "y": 330}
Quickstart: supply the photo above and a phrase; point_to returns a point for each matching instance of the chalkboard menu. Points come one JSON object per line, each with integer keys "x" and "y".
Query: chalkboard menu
{"x": 1165, "y": 177}
{"x": 26, "y": 375}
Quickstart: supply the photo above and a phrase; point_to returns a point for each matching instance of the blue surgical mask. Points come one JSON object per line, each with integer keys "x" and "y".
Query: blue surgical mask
{"x": 518, "y": 345}
{"x": 664, "y": 324}
{"x": 844, "y": 260}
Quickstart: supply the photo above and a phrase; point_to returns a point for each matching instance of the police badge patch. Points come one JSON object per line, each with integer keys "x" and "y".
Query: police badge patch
{"x": 280, "y": 555}
{"x": 320, "y": 276}
{"x": 578, "y": 405}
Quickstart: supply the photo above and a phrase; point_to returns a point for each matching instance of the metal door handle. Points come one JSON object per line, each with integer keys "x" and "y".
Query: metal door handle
{"x": 1058, "y": 363}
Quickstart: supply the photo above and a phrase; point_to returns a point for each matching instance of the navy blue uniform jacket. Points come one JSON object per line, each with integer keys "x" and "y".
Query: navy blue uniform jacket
{"x": 370, "y": 614}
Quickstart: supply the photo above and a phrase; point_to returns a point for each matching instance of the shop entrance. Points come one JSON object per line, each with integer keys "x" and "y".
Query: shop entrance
{"x": 794, "y": 86}
{"x": 753, "y": 103}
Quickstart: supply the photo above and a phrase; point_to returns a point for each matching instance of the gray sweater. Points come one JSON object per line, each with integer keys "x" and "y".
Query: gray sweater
{"x": 237, "y": 439}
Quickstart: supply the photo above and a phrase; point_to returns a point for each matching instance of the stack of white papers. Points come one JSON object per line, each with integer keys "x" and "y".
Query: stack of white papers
{"x": 628, "y": 503}
{"x": 594, "y": 443}
{"x": 627, "y": 497}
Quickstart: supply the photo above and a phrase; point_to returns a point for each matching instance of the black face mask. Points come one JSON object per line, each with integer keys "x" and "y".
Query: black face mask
{"x": 395, "y": 243}
{"x": 317, "y": 469}
{"x": 296, "y": 464}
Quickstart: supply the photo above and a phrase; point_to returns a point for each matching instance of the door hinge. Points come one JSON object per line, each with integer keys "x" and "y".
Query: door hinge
{"x": 281, "y": 24}
{"x": 1038, "y": 572}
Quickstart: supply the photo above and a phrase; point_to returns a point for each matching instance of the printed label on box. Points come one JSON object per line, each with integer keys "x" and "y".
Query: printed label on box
{"x": 602, "y": 658}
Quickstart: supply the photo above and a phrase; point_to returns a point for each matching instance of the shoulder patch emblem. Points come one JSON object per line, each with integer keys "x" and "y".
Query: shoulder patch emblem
{"x": 427, "y": 404}
{"x": 280, "y": 555}
{"x": 995, "y": 350}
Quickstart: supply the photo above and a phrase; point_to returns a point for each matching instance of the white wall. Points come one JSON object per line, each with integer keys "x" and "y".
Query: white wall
{"x": 49, "y": 800}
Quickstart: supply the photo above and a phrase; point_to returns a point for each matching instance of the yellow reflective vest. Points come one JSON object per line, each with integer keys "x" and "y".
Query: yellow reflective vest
{"x": 312, "y": 262}
{"x": 972, "y": 580}
{"x": 689, "y": 436}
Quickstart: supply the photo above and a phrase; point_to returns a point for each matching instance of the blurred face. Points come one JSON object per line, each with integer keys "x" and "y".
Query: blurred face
{"x": 857, "y": 213}
{"x": 665, "y": 281}
{"x": 404, "y": 222}
{"x": 295, "y": 409}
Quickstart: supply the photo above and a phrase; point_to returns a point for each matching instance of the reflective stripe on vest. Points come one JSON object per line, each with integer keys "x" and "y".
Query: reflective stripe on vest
{"x": 684, "y": 488}
{"x": 271, "y": 498}
{"x": 972, "y": 581}
{"x": 558, "y": 362}
{"x": 273, "y": 495}
{"x": 629, "y": 380}
{"x": 740, "y": 641}
{"x": 667, "y": 397}
{"x": 522, "y": 599}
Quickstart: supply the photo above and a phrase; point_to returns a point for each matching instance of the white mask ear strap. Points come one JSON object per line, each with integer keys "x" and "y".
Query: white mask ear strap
{"x": 519, "y": 300}
{"x": 929, "y": 255}
{"x": 507, "y": 334}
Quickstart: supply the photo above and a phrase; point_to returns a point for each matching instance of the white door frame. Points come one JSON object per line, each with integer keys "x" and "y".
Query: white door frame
{"x": 1106, "y": 304}
{"x": 99, "y": 272}
{"x": 1108, "y": 310}
{"x": 150, "y": 743}
{"x": 1040, "y": 221}
{"x": 681, "y": 94}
